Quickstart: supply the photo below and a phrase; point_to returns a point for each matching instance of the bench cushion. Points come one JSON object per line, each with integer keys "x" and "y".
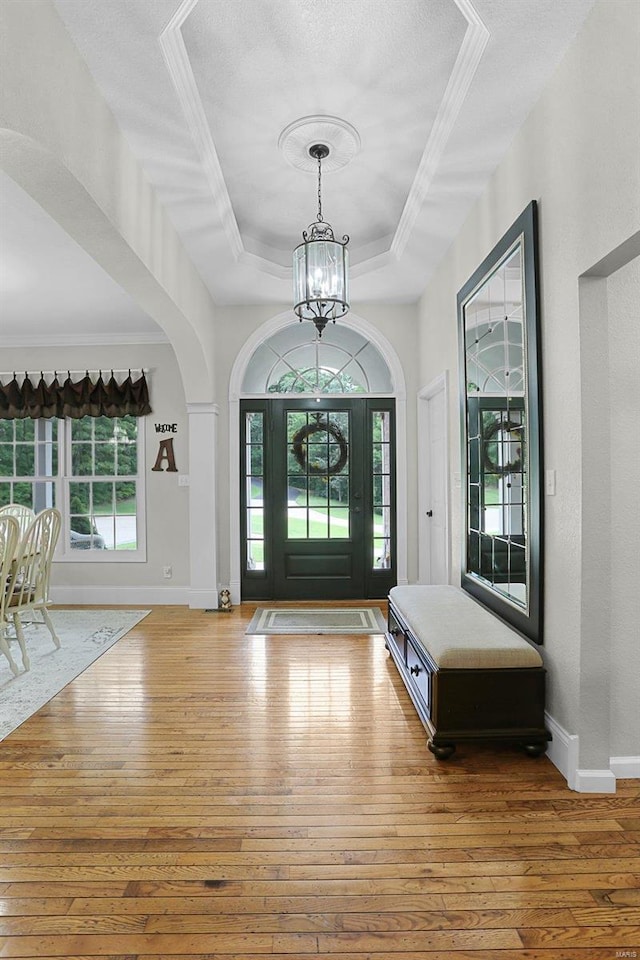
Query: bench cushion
{"x": 457, "y": 632}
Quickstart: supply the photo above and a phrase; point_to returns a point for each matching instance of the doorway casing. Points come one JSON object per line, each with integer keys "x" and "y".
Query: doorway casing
{"x": 252, "y": 343}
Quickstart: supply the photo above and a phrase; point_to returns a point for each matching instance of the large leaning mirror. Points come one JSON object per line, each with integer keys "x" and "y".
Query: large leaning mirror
{"x": 501, "y": 430}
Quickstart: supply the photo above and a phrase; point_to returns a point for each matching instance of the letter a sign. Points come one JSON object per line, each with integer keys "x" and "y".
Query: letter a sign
{"x": 166, "y": 454}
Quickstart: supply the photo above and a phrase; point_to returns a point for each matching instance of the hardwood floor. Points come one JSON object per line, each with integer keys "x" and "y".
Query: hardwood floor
{"x": 201, "y": 793}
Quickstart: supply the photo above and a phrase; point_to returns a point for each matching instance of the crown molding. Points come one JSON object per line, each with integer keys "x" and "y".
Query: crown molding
{"x": 88, "y": 340}
{"x": 469, "y": 56}
{"x": 181, "y": 75}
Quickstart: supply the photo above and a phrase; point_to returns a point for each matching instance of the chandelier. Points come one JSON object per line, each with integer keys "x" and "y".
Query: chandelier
{"x": 320, "y": 265}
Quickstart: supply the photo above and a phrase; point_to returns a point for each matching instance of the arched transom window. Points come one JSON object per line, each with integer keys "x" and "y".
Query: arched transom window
{"x": 295, "y": 360}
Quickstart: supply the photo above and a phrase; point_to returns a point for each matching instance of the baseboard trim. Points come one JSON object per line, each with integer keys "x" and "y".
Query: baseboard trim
{"x": 562, "y": 750}
{"x": 625, "y": 768}
{"x": 115, "y": 596}
{"x": 202, "y": 599}
{"x": 563, "y": 753}
{"x": 595, "y": 781}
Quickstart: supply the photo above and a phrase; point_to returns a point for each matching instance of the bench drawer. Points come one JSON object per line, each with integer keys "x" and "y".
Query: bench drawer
{"x": 396, "y": 636}
{"x": 419, "y": 674}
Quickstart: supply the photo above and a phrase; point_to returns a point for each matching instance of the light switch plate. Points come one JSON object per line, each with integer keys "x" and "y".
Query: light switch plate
{"x": 550, "y": 482}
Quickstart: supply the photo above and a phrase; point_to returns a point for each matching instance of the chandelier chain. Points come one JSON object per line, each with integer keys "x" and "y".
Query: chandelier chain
{"x": 319, "y": 189}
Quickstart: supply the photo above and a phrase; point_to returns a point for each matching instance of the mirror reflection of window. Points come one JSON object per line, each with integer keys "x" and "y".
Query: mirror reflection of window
{"x": 495, "y": 364}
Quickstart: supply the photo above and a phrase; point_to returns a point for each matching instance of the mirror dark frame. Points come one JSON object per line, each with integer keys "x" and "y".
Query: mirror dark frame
{"x": 502, "y": 437}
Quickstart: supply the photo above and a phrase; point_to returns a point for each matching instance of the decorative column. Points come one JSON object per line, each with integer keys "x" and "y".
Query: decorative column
{"x": 203, "y": 537}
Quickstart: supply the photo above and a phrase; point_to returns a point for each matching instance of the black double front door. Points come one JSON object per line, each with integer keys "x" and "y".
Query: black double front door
{"x": 318, "y": 498}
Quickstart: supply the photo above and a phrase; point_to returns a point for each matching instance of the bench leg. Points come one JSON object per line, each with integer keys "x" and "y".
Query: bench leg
{"x": 441, "y": 751}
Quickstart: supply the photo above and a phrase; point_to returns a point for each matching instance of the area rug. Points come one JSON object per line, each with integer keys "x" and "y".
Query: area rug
{"x": 336, "y": 620}
{"x": 84, "y": 636}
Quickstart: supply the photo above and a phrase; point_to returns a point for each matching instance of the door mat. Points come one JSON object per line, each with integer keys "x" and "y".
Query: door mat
{"x": 337, "y": 620}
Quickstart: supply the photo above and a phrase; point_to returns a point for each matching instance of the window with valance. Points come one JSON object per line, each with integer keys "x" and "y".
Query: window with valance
{"x": 78, "y": 445}
{"x": 21, "y": 398}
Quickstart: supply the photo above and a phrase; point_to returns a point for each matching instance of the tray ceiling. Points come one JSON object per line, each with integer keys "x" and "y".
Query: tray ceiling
{"x": 436, "y": 90}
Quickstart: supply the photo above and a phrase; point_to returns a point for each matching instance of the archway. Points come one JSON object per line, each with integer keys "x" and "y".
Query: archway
{"x": 359, "y": 332}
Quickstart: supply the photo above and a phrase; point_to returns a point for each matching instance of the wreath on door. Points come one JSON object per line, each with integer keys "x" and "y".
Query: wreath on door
{"x": 503, "y": 426}
{"x": 301, "y": 439}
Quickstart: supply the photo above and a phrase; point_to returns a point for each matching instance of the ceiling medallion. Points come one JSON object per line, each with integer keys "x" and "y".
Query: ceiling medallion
{"x": 341, "y": 137}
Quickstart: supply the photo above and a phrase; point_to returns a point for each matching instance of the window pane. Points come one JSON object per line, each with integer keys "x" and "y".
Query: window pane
{"x": 318, "y": 491}
{"x": 6, "y": 460}
{"x": 6, "y": 431}
{"x": 23, "y": 494}
{"x": 381, "y": 554}
{"x": 104, "y": 534}
{"x": 255, "y": 555}
{"x": 319, "y": 523}
{"x": 103, "y": 497}
{"x": 378, "y": 458}
{"x": 105, "y": 460}
{"x": 25, "y": 429}
{"x": 127, "y": 459}
{"x": 81, "y": 429}
{"x": 79, "y": 498}
{"x": 297, "y": 491}
{"x": 378, "y": 498}
{"x": 256, "y": 460}
{"x": 25, "y": 460}
{"x": 317, "y": 458}
{"x": 293, "y": 464}
{"x": 5, "y": 494}
{"x": 297, "y": 523}
{"x": 255, "y": 522}
{"x": 254, "y": 491}
{"x": 255, "y": 427}
{"x": 125, "y": 496}
{"x": 81, "y": 460}
{"x": 125, "y": 533}
{"x": 339, "y": 523}
{"x": 47, "y": 459}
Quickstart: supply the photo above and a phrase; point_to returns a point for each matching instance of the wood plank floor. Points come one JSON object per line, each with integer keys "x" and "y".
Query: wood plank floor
{"x": 201, "y": 793}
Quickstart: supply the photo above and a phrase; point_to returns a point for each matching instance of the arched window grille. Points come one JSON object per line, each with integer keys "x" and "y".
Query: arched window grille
{"x": 294, "y": 360}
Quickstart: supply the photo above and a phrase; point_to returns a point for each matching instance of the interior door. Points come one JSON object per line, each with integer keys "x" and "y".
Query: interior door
{"x": 320, "y": 517}
{"x": 433, "y": 529}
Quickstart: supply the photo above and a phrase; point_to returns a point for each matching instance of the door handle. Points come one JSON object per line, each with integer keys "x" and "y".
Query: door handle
{"x": 429, "y": 513}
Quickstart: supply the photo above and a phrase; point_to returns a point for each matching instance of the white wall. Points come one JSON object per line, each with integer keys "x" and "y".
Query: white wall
{"x": 577, "y": 155}
{"x": 167, "y": 512}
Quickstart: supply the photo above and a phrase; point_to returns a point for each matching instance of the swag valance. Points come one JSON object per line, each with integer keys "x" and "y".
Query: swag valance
{"x": 75, "y": 399}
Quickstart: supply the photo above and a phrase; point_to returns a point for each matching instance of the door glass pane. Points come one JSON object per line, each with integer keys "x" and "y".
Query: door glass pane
{"x": 318, "y": 480}
{"x": 255, "y": 555}
{"x": 254, "y": 489}
{"x": 381, "y": 492}
{"x": 297, "y": 523}
{"x": 338, "y": 523}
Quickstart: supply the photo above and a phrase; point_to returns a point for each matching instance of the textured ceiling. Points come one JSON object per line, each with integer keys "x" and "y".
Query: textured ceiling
{"x": 202, "y": 90}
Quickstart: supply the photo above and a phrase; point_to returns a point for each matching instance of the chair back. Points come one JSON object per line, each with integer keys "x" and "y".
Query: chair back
{"x": 30, "y": 582}
{"x": 9, "y": 537}
{"x": 24, "y": 515}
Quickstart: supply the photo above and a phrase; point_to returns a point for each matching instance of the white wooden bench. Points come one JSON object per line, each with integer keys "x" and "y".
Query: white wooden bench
{"x": 469, "y": 675}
